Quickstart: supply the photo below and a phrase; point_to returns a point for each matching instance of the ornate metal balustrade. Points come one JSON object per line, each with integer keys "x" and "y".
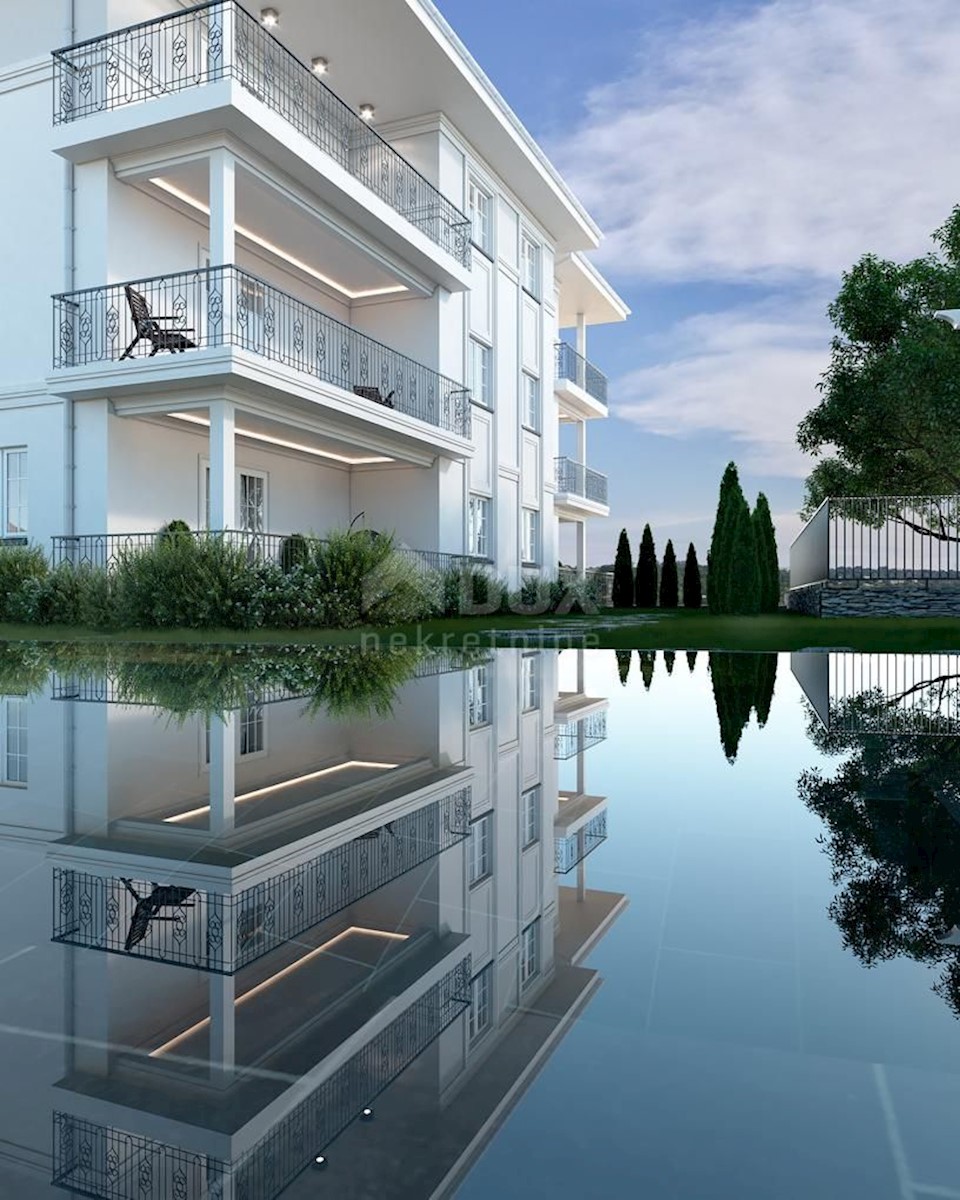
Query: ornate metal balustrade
{"x": 573, "y": 366}
{"x": 226, "y": 306}
{"x": 212, "y": 932}
{"x": 572, "y": 737}
{"x": 568, "y": 851}
{"x": 111, "y": 1164}
{"x": 579, "y": 480}
{"x": 212, "y": 42}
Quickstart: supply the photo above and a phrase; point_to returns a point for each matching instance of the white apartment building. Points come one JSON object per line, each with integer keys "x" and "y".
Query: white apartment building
{"x": 308, "y": 269}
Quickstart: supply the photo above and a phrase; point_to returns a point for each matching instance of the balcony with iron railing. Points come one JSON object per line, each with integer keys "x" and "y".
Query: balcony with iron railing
{"x": 214, "y": 46}
{"x": 577, "y": 483}
{"x": 579, "y": 384}
{"x": 195, "y": 313}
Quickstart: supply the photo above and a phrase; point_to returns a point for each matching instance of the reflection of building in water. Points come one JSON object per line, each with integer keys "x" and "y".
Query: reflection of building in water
{"x": 300, "y": 917}
{"x": 883, "y": 693}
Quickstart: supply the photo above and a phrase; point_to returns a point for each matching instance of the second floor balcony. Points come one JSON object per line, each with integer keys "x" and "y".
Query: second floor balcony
{"x": 580, "y": 386}
{"x": 580, "y": 488}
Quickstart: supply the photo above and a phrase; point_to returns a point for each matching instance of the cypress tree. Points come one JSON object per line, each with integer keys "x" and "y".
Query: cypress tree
{"x": 669, "y": 658}
{"x": 691, "y": 660}
{"x": 766, "y": 665}
{"x": 669, "y": 584}
{"x": 648, "y": 660}
{"x": 743, "y": 578}
{"x": 624, "y": 658}
{"x": 766, "y": 538}
{"x": 645, "y": 593}
{"x": 717, "y": 560}
{"x": 734, "y": 680}
{"x": 692, "y": 592}
{"x": 623, "y": 573}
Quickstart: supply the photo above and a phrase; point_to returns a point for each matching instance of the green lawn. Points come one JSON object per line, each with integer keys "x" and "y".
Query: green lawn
{"x": 632, "y": 629}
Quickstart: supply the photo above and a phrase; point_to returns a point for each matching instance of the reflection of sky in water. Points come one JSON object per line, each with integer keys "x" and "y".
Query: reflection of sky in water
{"x": 735, "y": 1048}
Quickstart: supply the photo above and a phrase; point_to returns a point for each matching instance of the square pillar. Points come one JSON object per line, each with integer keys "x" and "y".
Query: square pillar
{"x": 582, "y": 445}
{"x": 223, "y": 206}
{"x": 223, "y": 783}
{"x": 222, "y": 1027}
{"x": 223, "y": 465}
{"x": 581, "y": 335}
{"x": 581, "y": 533}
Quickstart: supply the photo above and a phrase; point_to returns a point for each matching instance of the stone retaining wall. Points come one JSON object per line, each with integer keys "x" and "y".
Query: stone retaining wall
{"x": 877, "y": 598}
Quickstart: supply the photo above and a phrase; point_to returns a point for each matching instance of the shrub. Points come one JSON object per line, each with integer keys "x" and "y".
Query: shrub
{"x": 18, "y": 564}
{"x": 359, "y": 578}
{"x": 176, "y": 526}
{"x": 294, "y": 552}
{"x": 471, "y": 590}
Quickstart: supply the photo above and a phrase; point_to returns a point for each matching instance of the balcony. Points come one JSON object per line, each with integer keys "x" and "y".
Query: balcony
{"x": 580, "y": 489}
{"x": 215, "y": 67}
{"x": 580, "y": 386}
{"x": 579, "y": 828}
{"x": 226, "y": 317}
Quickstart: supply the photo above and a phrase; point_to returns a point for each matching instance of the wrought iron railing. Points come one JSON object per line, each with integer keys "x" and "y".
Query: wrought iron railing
{"x": 226, "y": 306}
{"x": 572, "y": 737}
{"x": 100, "y": 1161}
{"x": 579, "y": 370}
{"x": 578, "y": 480}
{"x": 568, "y": 851}
{"x": 879, "y": 538}
{"x": 211, "y": 42}
{"x": 600, "y": 583}
{"x": 212, "y": 932}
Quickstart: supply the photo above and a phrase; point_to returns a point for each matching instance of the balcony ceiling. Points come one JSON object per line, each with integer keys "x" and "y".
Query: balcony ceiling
{"x": 584, "y": 290}
{"x": 410, "y": 69}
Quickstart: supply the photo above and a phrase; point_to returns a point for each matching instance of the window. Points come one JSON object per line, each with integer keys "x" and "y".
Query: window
{"x": 479, "y": 207}
{"x": 478, "y": 533}
{"x": 530, "y": 265}
{"x": 480, "y": 850}
{"x": 530, "y": 953}
{"x": 481, "y": 373}
{"x": 530, "y": 402}
{"x": 14, "y": 467}
{"x": 478, "y": 697}
{"x": 530, "y": 817}
{"x": 530, "y": 681}
{"x": 252, "y": 739}
{"x": 531, "y": 536}
{"x": 480, "y": 1007}
{"x": 13, "y": 733}
{"x": 251, "y": 500}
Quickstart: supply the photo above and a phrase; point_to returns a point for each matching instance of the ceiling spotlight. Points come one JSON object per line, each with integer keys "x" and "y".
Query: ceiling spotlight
{"x": 319, "y": 65}
{"x": 367, "y": 1114}
{"x": 367, "y": 111}
{"x": 269, "y": 17}
{"x": 319, "y": 1163}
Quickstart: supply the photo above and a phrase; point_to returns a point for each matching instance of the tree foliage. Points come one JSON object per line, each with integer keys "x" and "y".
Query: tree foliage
{"x": 768, "y": 562}
{"x": 669, "y": 658}
{"x": 692, "y": 589}
{"x": 669, "y": 595}
{"x": 624, "y": 658}
{"x": 718, "y": 558}
{"x": 623, "y": 573}
{"x": 645, "y": 593}
{"x": 741, "y": 683}
{"x": 648, "y": 660}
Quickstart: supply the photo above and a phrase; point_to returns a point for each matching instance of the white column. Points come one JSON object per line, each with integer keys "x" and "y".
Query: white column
{"x": 223, "y": 205}
{"x": 223, "y": 734}
{"x": 222, "y": 1027}
{"x": 581, "y": 335}
{"x": 582, "y": 444}
{"x": 581, "y": 532}
{"x": 223, "y": 465}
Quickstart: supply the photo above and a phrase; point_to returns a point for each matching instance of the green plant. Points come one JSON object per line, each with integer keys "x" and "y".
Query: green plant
{"x": 692, "y": 589}
{"x": 294, "y": 552}
{"x": 18, "y": 564}
{"x": 361, "y": 579}
{"x": 623, "y": 573}
{"x": 768, "y": 562}
{"x": 669, "y": 583}
{"x": 718, "y": 573}
{"x": 176, "y": 526}
{"x": 645, "y": 591}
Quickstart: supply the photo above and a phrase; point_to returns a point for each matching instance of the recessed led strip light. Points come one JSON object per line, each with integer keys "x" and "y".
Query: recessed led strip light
{"x": 281, "y": 974}
{"x": 278, "y": 787}
{"x": 275, "y": 441}
{"x": 199, "y": 205}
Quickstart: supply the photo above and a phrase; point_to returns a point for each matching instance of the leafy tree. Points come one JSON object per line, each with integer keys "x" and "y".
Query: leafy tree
{"x": 890, "y": 398}
{"x": 691, "y": 660}
{"x": 648, "y": 660}
{"x": 645, "y": 593}
{"x": 767, "y": 559}
{"x": 669, "y": 583}
{"x": 624, "y": 658}
{"x": 623, "y": 573}
{"x": 692, "y": 591}
{"x": 669, "y": 658}
{"x": 718, "y": 558}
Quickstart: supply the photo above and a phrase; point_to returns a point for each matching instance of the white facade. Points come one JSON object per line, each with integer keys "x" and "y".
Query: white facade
{"x": 200, "y": 159}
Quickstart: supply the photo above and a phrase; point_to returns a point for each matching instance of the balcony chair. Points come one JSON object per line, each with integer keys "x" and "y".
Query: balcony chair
{"x": 374, "y": 394}
{"x": 148, "y": 326}
{"x": 148, "y": 909}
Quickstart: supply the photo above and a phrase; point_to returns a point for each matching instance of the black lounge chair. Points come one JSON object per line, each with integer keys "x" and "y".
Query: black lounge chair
{"x": 374, "y": 394}
{"x": 148, "y": 326}
{"x": 148, "y": 909}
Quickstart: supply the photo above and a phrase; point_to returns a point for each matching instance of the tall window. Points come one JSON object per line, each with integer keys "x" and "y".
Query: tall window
{"x": 480, "y": 205}
{"x": 480, "y": 1002}
{"x": 530, "y": 817}
{"x": 253, "y": 497}
{"x": 530, "y": 681}
{"x": 13, "y": 732}
{"x": 530, "y": 953}
{"x": 530, "y": 402}
{"x": 480, "y": 848}
{"x": 252, "y": 739}
{"x": 531, "y": 536}
{"x": 530, "y": 265}
{"x": 481, "y": 373}
{"x": 478, "y": 696}
{"x": 478, "y": 533}
{"x": 14, "y": 492}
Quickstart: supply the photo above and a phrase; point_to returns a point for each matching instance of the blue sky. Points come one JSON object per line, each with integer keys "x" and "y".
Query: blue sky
{"x": 738, "y": 157}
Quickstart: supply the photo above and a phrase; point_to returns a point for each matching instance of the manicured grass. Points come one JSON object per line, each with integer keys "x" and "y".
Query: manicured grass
{"x": 679, "y": 629}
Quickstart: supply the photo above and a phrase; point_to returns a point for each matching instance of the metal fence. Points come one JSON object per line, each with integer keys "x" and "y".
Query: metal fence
{"x": 226, "y": 306}
{"x": 211, "y": 932}
{"x": 894, "y": 693}
{"x": 568, "y": 851}
{"x": 580, "y": 480}
{"x": 573, "y": 737}
{"x": 111, "y": 1164}
{"x": 879, "y": 538}
{"x": 579, "y": 370}
{"x": 212, "y": 42}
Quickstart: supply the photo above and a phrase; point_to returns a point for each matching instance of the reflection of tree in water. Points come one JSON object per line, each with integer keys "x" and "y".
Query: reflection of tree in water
{"x": 648, "y": 660}
{"x": 691, "y": 660}
{"x": 893, "y": 845}
{"x": 741, "y": 683}
{"x": 623, "y": 664}
{"x": 669, "y": 658}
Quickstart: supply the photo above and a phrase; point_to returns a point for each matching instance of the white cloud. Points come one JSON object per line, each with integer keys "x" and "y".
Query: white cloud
{"x": 776, "y": 144}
